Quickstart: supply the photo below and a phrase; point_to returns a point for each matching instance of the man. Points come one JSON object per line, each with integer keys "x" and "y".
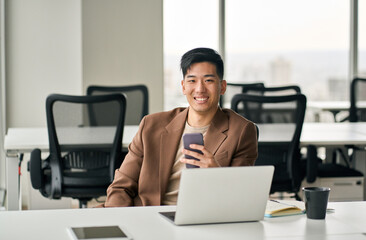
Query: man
{"x": 150, "y": 173}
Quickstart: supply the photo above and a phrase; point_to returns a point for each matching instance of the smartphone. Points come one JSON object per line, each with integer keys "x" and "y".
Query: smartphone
{"x": 98, "y": 232}
{"x": 192, "y": 138}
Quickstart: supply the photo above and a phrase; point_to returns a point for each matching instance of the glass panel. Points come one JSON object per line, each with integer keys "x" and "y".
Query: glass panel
{"x": 188, "y": 24}
{"x": 287, "y": 42}
{"x": 362, "y": 38}
{"x": 361, "y": 88}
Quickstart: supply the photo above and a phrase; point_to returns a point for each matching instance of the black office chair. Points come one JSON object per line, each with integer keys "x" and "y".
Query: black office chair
{"x": 284, "y": 156}
{"x": 316, "y": 168}
{"x": 278, "y": 108}
{"x": 137, "y": 100}
{"x": 358, "y": 88}
{"x": 272, "y": 91}
{"x": 234, "y": 88}
{"x": 78, "y": 166}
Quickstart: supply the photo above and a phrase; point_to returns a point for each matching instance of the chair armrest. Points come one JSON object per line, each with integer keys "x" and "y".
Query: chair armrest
{"x": 35, "y": 169}
{"x": 312, "y": 161}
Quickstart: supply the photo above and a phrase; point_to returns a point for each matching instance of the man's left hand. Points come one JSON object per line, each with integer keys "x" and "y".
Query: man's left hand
{"x": 206, "y": 159}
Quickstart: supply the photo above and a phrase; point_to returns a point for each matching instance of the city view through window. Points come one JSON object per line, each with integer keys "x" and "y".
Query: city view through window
{"x": 282, "y": 42}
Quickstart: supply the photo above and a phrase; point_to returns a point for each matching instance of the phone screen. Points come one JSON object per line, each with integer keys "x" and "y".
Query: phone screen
{"x": 110, "y": 232}
{"x": 192, "y": 138}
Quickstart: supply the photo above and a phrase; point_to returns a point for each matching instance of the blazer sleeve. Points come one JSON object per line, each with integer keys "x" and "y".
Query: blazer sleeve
{"x": 123, "y": 189}
{"x": 247, "y": 150}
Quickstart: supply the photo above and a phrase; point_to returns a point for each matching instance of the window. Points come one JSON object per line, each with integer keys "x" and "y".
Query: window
{"x": 362, "y": 39}
{"x": 188, "y": 24}
{"x": 303, "y": 42}
{"x": 2, "y": 99}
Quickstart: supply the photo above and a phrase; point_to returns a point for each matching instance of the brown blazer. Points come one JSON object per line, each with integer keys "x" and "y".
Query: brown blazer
{"x": 143, "y": 176}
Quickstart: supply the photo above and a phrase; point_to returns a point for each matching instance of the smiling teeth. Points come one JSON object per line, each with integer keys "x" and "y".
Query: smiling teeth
{"x": 201, "y": 99}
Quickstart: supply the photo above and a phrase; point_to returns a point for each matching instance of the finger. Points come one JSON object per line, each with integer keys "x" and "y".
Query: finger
{"x": 192, "y": 154}
{"x": 190, "y": 161}
{"x": 201, "y": 148}
{"x": 196, "y": 146}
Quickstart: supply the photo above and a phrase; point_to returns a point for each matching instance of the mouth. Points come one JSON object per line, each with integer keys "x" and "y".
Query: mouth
{"x": 201, "y": 99}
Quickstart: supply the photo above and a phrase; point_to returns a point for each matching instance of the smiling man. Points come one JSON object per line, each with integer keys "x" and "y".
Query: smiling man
{"x": 150, "y": 173}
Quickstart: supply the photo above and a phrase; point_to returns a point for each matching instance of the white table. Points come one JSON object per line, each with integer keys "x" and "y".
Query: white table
{"x": 348, "y": 221}
{"x": 319, "y": 134}
{"x": 333, "y": 107}
{"x": 24, "y": 140}
{"x": 329, "y": 135}
{"x": 20, "y": 140}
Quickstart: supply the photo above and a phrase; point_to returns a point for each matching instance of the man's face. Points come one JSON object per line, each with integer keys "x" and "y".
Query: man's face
{"x": 203, "y": 87}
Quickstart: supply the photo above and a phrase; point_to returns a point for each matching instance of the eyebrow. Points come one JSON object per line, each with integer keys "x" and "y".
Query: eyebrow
{"x": 207, "y": 75}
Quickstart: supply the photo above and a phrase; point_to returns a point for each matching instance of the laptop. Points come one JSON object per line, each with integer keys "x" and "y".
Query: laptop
{"x": 222, "y": 195}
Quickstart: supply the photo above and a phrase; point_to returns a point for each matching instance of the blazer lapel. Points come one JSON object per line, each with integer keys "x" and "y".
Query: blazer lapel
{"x": 169, "y": 142}
{"x": 216, "y": 133}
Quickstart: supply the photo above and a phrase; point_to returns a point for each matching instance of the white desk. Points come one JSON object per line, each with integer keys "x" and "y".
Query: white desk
{"x": 319, "y": 134}
{"x": 334, "y": 134}
{"x": 20, "y": 140}
{"x": 24, "y": 140}
{"x": 333, "y": 107}
{"x": 328, "y": 135}
{"x": 348, "y": 221}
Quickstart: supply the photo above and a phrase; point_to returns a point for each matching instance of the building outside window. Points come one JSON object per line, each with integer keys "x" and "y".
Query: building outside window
{"x": 188, "y": 24}
{"x": 281, "y": 42}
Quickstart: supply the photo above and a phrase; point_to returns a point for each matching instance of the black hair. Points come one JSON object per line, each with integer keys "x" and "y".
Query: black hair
{"x": 198, "y": 55}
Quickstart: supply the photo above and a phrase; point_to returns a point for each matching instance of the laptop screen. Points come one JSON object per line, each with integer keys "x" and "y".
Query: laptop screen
{"x": 228, "y": 194}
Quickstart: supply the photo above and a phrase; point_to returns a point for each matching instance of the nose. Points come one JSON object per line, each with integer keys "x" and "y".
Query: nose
{"x": 201, "y": 86}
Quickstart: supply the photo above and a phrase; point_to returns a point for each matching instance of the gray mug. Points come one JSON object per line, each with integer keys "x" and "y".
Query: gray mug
{"x": 316, "y": 201}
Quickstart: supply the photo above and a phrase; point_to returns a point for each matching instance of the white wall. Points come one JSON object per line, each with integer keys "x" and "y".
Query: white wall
{"x": 43, "y": 50}
{"x": 123, "y": 45}
{"x": 43, "y": 56}
{"x": 62, "y": 46}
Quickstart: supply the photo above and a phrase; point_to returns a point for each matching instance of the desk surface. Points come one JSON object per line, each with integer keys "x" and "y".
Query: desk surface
{"x": 334, "y": 105}
{"x": 27, "y": 139}
{"x": 348, "y": 221}
{"x": 320, "y": 134}
{"x": 332, "y": 134}
{"x": 20, "y": 140}
{"x": 23, "y": 140}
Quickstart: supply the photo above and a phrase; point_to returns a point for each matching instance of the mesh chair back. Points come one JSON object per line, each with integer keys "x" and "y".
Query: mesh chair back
{"x": 277, "y": 113}
{"x": 235, "y": 88}
{"x": 283, "y": 112}
{"x": 137, "y": 103}
{"x": 272, "y": 91}
{"x": 82, "y": 155}
{"x": 358, "y": 90}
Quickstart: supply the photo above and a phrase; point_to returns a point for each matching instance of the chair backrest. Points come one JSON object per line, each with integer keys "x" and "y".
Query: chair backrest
{"x": 285, "y": 156}
{"x": 235, "y": 88}
{"x": 358, "y": 89}
{"x": 280, "y": 110}
{"x": 137, "y": 102}
{"x": 272, "y": 91}
{"x": 82, "y": 156}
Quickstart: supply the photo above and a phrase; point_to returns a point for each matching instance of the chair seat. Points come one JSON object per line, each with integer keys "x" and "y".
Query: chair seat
{"x": 92, "y": 192}
{"x": 281, "y": 186}
{"x": 336, "y": 170}
{"x": 90, "y": 178}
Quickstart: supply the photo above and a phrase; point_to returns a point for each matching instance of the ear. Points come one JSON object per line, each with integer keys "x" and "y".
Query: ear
{"x": 183, "y": 87}
{"x": 223, "y": 87}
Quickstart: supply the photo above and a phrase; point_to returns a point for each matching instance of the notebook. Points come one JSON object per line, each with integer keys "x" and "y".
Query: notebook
{"x": 221, "y": 195}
